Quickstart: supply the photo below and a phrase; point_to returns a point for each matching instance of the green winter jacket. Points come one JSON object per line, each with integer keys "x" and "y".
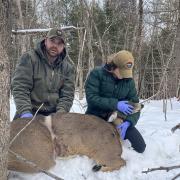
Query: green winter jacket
{"x": 35, "y": 81}
{"x": 103, "y": 92}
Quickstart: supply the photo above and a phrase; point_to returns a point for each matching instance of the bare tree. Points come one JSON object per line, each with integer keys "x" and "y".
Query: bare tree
{"x": 87, "y": 20}
{"x": 79, "y": 74}
{"x": 5, "y": 34}
{"x": 137, "y": 43}
{"x": 177, "y": 56}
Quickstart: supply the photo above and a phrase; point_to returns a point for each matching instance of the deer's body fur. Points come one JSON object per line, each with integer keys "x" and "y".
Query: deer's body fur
{"x": 64, "y": 135}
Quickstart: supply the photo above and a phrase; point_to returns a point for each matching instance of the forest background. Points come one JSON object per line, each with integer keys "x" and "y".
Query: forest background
{"x": 150, "y": 29}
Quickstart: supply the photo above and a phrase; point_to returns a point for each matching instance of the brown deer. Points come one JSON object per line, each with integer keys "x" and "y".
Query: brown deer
{"x": 63, "y": 135}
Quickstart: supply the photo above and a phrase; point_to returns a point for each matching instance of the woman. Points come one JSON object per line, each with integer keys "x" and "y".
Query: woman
{"x": 109, "y": 88}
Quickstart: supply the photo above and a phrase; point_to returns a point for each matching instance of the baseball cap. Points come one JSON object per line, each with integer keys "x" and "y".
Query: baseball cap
{"x": 124, "y": 60}
{"x": 55, "y": 33}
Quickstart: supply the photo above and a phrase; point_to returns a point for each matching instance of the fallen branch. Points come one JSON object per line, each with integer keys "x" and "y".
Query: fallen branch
{"x": 39, "y": 31}
{"x": 25, "y": 125}
{"x": 32, "y": 164}
{"x": 161, "y": 168}
{"x": 175, "y": 128}
{"x": 165, "y": 169}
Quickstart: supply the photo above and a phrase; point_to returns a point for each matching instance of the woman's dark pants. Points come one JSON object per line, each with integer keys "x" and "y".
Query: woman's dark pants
{"x": 136, "y": 139}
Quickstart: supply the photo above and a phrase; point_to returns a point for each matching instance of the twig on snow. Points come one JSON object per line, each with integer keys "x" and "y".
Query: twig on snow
{"x": 161, "y": 168}
{"x": 175, "y": 128}
{"x": 178, "y": 175}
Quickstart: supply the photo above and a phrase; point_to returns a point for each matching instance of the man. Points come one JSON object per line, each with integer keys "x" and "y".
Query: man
{"x": 44, "y": 75}
{"x": 110, "y": 88}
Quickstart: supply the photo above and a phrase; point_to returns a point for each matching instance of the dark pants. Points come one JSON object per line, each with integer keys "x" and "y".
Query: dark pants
{"x": 136, "y": 139}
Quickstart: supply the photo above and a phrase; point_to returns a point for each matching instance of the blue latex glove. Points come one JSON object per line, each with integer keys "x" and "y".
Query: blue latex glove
{"x": 26, "y": 115}
{"x": 122, "y": 128}
{"x": 124, "y": 107}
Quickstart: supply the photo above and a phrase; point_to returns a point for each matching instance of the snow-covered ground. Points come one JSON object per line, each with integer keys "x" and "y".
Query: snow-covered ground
{"x": 163, "y": 149}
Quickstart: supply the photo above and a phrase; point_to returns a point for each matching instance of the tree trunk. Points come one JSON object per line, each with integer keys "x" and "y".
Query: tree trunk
{"x": 5, "y": 34}
{"x": 90, "y": 15}
{"x": 175, "y": 90}
{"x": 88, "y": 27}
{"x": 79, "y": 74}
{"x": 136, "y": 47}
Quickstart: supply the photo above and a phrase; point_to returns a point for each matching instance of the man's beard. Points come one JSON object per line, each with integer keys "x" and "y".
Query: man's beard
{"x": 52, "y": 52}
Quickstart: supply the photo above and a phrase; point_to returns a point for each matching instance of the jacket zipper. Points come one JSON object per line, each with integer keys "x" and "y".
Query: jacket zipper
{"x": 52, "y": 74}
{"x": 51, "y": 83}
{"x": 52, "y": 77}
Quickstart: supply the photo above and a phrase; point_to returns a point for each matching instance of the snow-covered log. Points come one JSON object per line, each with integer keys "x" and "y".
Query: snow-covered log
{"x": 36, "y": 31}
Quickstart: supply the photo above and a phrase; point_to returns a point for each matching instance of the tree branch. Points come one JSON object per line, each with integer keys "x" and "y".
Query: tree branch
{"x": 25, "y": 125}
{"x": 36, "y": 31}
{"x": 161, "y": 168}
{"x": 32, "y": 164}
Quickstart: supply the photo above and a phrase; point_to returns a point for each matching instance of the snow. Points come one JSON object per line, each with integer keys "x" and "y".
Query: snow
{"x": 163, "y": 149}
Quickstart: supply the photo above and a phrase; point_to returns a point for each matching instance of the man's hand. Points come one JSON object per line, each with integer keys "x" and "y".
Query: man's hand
{"x": 122, "y": 128}
{"x": 26, "y": 115}
{"x": 124, "y": 107}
